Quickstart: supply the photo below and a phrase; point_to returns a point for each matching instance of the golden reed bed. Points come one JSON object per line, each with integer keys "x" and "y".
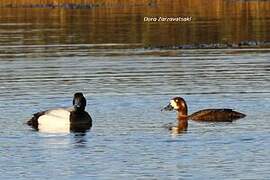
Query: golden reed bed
{"x": 216, "y": 5}
{"x": 71, "y": 3}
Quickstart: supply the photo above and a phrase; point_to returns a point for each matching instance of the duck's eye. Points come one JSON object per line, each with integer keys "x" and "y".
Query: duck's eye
{"x": 176, "y": 100}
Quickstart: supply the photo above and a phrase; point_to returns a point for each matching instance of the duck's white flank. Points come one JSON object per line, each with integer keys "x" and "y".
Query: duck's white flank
{"x": 55, "y": 121}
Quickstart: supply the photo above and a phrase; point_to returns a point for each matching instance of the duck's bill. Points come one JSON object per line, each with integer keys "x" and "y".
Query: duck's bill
{"x": 77, "y": 103}
{"x": 167, "y": 108}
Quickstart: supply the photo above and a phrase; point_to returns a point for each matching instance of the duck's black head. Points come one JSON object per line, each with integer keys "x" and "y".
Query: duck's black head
{"x": 79, "y": 101}
{"x": 178, "y": 104}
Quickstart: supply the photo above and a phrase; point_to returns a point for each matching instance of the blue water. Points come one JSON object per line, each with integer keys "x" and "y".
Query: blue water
{"x": 125, "y": 92}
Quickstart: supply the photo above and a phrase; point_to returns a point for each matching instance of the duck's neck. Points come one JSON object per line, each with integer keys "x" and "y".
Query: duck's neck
{"x": 182, "y": 111}
{"x": 182, "y": 123}
{"x": 79, "y": 110}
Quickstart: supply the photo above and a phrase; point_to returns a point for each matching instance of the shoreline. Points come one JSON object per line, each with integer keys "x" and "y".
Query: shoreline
{"x": 86, "y": 5}
{"x": 242, "y": 45}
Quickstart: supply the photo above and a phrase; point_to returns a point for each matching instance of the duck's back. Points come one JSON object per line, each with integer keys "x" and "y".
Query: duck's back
{"x": 216, "y": 115}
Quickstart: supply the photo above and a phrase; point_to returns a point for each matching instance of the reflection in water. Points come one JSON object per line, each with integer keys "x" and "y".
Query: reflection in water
{"x": 80, "y": 140}
{"x": 78, "y": 130}
{"x": 220, "y": 21}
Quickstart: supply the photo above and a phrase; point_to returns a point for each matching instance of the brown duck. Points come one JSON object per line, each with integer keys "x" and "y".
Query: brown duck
{"x": 205, "y": 115}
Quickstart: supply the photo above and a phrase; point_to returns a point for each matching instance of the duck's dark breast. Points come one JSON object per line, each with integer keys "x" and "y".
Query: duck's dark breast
{"x": 216, "y": 115}
{"x": 80, "y": 122}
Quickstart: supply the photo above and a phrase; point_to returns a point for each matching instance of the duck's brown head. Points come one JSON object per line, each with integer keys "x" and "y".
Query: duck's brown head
{"x": 178, "y": 104}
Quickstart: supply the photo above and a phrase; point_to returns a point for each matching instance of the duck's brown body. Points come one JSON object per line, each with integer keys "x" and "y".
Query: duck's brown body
{"x": 216, "y": 115}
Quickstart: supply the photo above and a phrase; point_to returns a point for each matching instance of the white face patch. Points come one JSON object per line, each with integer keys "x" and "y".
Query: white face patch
{"x": 173, "y": 104}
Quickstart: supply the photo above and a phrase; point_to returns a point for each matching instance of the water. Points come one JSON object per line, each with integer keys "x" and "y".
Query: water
{"x": 125, "y": 95}
{"x": 126, "y": 86}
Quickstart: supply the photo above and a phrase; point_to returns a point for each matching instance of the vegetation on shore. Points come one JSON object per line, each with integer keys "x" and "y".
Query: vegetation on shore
{"x": 87, "y": 4}
{"x": 74, "y": 4}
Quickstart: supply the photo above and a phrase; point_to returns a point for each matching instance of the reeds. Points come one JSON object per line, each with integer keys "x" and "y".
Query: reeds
{"x": 32, "y": 3}
{"x": 214, "y": 6}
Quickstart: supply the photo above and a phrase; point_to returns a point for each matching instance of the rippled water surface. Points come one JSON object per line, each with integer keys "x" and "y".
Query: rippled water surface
{"x": 125, "y": 94}
{"x": 44, "y": 60}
